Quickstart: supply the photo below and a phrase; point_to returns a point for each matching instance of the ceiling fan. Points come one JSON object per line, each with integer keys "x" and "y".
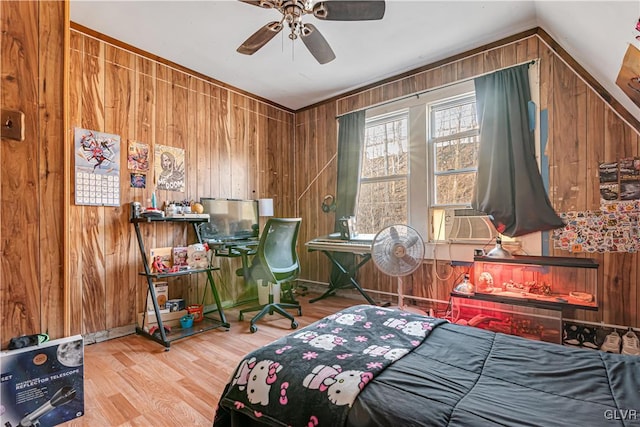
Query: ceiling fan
{"x": 292, "y": 13}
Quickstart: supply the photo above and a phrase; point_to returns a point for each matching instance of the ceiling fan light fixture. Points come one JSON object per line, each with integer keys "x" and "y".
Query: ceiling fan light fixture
{"x": 292, "y": 13}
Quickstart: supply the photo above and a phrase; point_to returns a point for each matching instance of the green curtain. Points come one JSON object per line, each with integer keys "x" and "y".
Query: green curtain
{"x": 509, "y": 187}
{"x": 350, "y": 143}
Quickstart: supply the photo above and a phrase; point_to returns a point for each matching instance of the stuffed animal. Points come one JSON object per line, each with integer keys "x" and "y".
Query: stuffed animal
{"x": 197, "y": 256}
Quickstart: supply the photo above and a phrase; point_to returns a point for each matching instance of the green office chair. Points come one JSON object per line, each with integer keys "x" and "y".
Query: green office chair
{"x": 275, "y": 260}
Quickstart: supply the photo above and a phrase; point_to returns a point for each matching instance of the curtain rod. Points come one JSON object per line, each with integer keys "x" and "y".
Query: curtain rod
{"x": 417, "y": 94}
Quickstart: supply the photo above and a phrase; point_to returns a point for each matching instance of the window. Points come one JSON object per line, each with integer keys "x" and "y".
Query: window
{"x": 418, "y": 153}
{"x": 382, "y": 197}
{"x": 454, "y": 140}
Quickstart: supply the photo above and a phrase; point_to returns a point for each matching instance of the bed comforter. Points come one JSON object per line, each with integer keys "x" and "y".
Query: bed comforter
{"x": 456, "y": 376}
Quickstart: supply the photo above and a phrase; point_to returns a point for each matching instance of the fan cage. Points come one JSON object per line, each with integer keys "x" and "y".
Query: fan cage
{"x": 397, "y": 250}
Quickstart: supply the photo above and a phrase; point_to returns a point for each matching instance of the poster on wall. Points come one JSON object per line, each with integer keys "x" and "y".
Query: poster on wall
{"x": 138, "y": 156}
{"x": 620, "y": 181}
{"x": 630, "y": 178}
{"x": 97, "y": 168}
{"x": 138, "y": 180}
{"x": 43, "y": 384}
{"x": 169, "y": 168}
{"x": 629, "y": 75}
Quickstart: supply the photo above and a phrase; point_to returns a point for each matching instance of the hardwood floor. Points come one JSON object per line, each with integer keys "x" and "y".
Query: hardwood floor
{"x": 132, "y": 381}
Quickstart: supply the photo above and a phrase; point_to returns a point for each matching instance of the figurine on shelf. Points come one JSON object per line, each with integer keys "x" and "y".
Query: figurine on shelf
{"x": 485, "y": 282}
{"x": 159, "y": 265}
{"x": 197, "y": 256}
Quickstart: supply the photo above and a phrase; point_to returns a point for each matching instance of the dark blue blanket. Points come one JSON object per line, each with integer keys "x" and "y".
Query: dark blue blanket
{"x": 311, "y": 377}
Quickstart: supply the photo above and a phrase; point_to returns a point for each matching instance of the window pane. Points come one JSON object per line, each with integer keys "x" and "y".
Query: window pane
{"x": 381, "y": 204}
{"x": 456, "y": 154}
{"x": 455, "y": 119}
{"x": 385, "y": 149}
{"x": 454, "y": 189}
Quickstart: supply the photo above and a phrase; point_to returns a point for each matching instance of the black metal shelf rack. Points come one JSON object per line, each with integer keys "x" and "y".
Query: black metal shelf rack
{"x": 209, "y": 322}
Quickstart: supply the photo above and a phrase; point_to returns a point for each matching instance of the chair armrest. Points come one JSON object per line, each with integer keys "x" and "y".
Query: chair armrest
{"x": 244, "y": 252}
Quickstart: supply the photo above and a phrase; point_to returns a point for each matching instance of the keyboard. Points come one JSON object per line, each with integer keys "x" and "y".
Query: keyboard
{"x": 335, "y": 245}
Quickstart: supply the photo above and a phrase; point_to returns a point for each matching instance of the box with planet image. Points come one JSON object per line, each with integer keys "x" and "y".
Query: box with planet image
{"x": 42, "y": 384}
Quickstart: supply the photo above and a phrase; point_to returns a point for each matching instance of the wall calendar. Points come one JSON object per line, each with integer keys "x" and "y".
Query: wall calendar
{"x": 97, "y": 168}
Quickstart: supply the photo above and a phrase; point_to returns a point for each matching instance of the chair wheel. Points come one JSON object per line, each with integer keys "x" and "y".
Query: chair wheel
{"x": 241, "y": 317}
{"x": 253, "y": 329}
{"x": 294, "y": 324}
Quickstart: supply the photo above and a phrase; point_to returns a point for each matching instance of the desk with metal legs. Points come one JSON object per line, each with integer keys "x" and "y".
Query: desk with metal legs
{"x": 328, "y": 247}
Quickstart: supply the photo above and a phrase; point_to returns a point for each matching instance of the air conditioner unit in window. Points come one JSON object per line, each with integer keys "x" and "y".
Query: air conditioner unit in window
{"x": 468, "y": 226}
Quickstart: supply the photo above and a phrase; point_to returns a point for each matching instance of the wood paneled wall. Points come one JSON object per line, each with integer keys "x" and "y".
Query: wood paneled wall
{"x": 32, "y": 171}
{"x": 583, "y": 131}
{"x": 235, "y": 147}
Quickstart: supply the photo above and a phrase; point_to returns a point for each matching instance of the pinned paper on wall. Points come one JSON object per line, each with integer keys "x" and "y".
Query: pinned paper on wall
{"x": 138, "y": 156}
{"x": 629, "y": 75}
{"x": 620, "y": 180}
{"x": 138, "y": 180}
{"x": 169, "y": 168}
{"x": 613, "y": 228}
{"x": 97, "y": 168}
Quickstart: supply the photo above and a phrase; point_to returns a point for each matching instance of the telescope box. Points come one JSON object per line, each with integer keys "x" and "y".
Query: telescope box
{"x": 42, "y": 384}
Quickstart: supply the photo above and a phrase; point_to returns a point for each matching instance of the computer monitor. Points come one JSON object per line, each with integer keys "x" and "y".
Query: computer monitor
{"x": 230, "y": 219}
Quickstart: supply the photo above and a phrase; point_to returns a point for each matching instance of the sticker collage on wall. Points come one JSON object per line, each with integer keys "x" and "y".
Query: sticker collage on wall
{"x": 616, "y": 226}
{"x": 613, "y": 228}
{"x": 97, "y": 168}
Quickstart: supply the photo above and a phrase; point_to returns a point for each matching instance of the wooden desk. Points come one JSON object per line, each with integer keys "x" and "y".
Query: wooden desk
{"x": 328, "y": 246}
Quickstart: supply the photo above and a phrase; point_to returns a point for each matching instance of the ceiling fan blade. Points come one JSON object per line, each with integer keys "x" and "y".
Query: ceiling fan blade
{"x": 260, "y": 38}
{"x": 259, "y": 3}
{"x": 349, "y": 10}
{"x": 317, "y": 45}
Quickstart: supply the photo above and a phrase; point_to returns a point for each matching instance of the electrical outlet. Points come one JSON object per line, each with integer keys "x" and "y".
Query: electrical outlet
{"x": 12, "y": 124}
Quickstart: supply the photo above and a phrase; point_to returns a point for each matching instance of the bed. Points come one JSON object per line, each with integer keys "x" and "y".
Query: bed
{"x": 374, "y": 366}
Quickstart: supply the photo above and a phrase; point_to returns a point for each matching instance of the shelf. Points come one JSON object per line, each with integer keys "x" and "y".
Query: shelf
{"x": 166, "y": 219}
{"x": 536, "y": 323}
{"x": 541, "y": 260}
{"x": 546, "y": 302}
{"x": 178, "y": 273}
{"x": 162, "y": 336}
{"x": 177, "y": 333}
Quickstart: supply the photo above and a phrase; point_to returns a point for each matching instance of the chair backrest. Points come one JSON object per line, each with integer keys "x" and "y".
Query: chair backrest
{"x": 276, "y": 259}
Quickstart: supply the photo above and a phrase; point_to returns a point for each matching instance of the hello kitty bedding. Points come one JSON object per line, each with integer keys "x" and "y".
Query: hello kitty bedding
{"x": 369, "y": 366}
{"x": 312, "y": 376}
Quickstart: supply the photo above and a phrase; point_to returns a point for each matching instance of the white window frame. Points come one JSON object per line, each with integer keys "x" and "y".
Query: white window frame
{"x": 432, "y": 140}
{"x": 376, "y": 121}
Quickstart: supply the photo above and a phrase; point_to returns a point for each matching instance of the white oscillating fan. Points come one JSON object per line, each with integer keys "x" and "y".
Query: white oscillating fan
{"x": 398, "y": 251}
